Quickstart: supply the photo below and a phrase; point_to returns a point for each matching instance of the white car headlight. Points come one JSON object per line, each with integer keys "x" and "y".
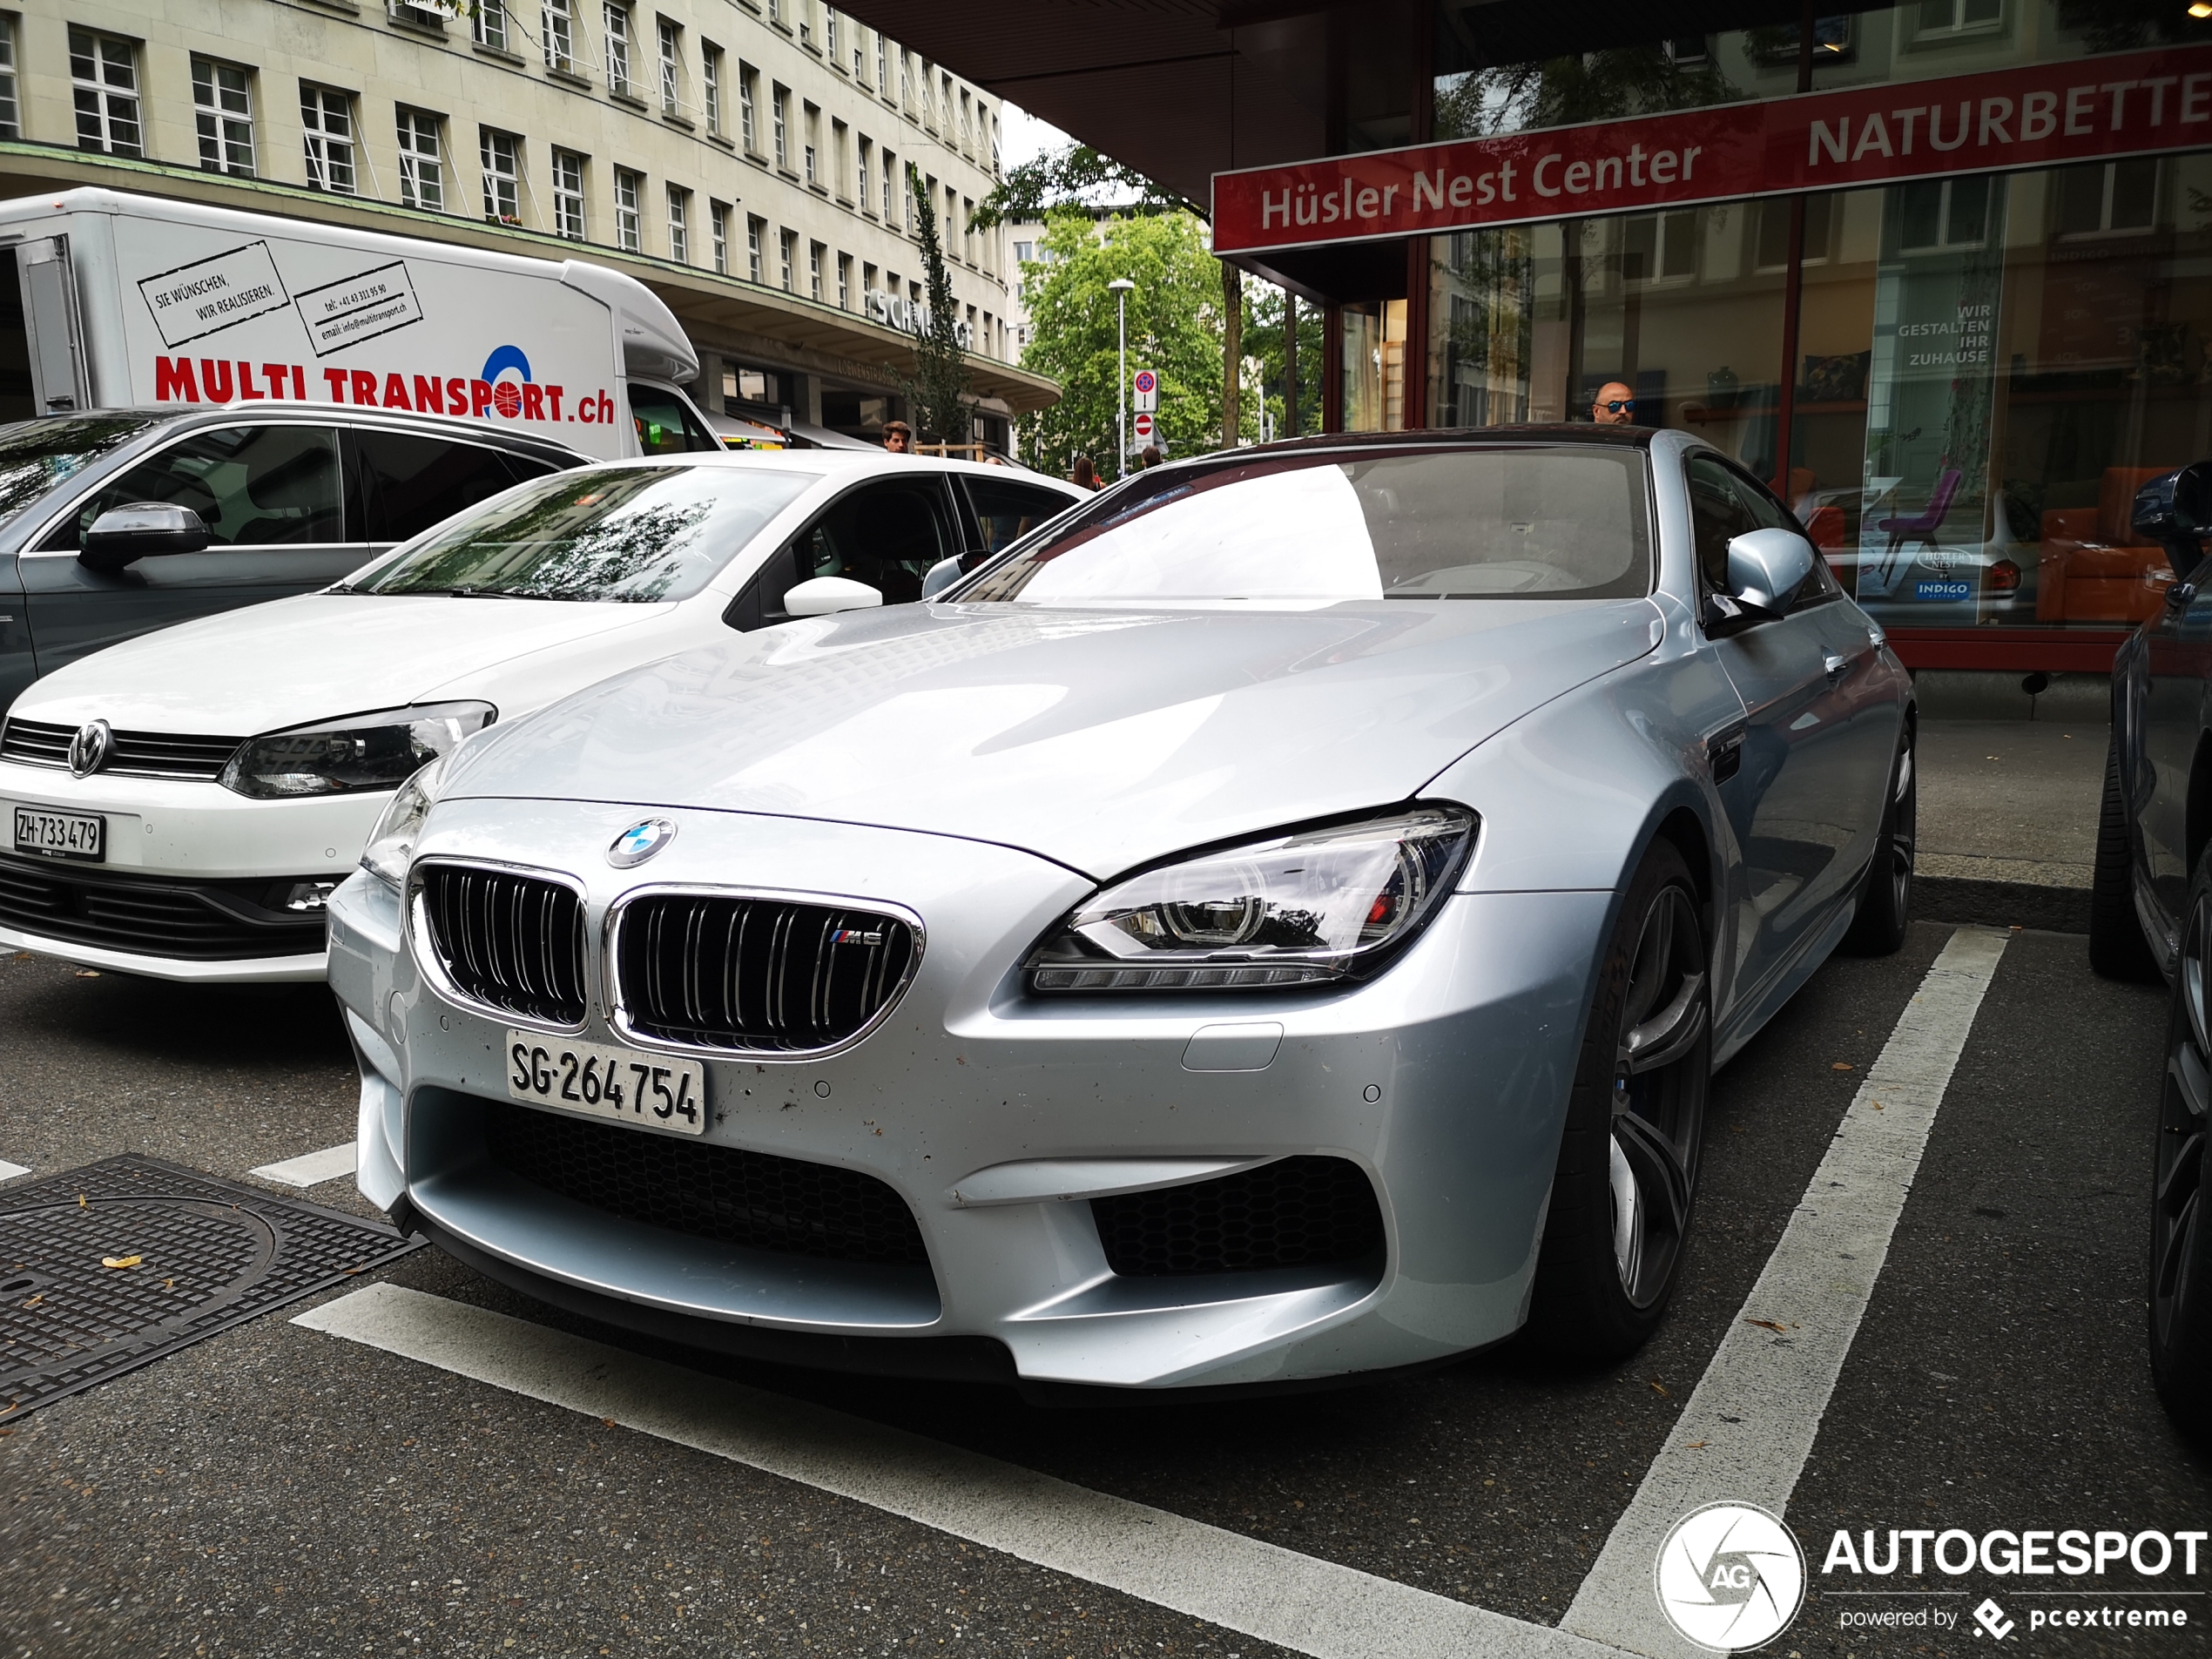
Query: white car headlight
{"x": 391, "y": 844}
{"x": 1295, "y": 909}
{"x": 378, "y": 751}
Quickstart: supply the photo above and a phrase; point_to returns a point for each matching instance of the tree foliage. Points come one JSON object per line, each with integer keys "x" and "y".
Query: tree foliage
{"x": 1078, "y": 177}
{"x": 1560, "y": 91}
{"x": 1175, "y": 328}
{"x": 937, "y": 392}
{"x": 1263, "y": 355}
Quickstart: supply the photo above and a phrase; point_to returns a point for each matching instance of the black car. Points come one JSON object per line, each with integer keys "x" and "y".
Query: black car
{"x": 2151, "y": 916}
{"x": 290, "y": 497}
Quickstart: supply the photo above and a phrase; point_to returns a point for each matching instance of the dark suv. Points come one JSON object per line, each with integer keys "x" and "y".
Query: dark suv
{"x": 291, "y": 497}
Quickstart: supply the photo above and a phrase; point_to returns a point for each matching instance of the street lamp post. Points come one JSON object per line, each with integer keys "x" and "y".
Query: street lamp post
{"x": 1122, "y": 287}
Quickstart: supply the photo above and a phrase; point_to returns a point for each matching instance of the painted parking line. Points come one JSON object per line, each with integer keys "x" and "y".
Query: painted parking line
{"x": 10, "y": 1171}
{"x": 1750, "y": 1426}
{"x": 310, "y": 1169}
{"x": 1258, "y": 1590}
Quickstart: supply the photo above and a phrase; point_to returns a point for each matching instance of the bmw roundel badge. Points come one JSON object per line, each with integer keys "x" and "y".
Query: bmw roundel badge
{"x": 640, "y": 841}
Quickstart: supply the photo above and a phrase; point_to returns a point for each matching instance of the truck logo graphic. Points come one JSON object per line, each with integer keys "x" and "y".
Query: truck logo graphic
{"x": 506, "y": 395}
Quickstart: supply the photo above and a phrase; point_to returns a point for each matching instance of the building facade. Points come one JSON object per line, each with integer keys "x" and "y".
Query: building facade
{"x": 1941, "y": 270}
{"x": 747, "y": 161}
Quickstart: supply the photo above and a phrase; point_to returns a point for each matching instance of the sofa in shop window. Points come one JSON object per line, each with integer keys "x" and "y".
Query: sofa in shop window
{"x": 2093, "y": 566}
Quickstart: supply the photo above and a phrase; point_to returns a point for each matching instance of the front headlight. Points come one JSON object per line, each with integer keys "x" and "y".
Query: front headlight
{"x": 1298, "y": 909}
{"x": 378, "y": 751}
{"x": 391, "y": 844}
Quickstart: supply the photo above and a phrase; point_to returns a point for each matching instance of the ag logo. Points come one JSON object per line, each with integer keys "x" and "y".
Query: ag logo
{"x": 640, "y": 841}
{"x": 1731, "y": 1577}
{"x": 89, "y": 749}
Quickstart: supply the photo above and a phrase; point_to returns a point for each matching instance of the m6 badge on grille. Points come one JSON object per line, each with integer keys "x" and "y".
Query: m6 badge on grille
{"x": 621, "y": 1083}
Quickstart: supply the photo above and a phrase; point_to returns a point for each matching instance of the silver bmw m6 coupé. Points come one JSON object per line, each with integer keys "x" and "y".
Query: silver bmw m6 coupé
{"x": 1274, "y": 921}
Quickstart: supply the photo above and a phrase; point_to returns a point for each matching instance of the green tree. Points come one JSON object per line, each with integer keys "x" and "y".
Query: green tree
{"x": 937, "y": 393}
{"x": 1263, "y": 357}
{"x": 1175, "y": 328}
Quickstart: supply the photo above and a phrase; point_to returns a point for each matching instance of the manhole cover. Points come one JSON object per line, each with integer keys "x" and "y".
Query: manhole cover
{"x": 211, "y": 1254}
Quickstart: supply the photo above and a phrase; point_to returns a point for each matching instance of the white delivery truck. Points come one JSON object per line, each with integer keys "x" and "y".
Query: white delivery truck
{"x": 131, "y": 301}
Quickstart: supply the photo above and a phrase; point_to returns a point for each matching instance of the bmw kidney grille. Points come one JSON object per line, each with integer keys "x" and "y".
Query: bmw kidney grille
{"x": 510, "y": 941}
{"x": 749, "y": 974}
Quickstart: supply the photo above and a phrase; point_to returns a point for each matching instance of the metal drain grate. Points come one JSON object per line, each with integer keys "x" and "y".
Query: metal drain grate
{"x": 212, "y": 1253}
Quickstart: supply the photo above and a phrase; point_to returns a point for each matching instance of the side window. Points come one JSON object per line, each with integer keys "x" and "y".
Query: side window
{"x": 1005, "y": 510}
{"x": 253, "y": 486}
{"x": 1718, "y": 514}
{"x": 885, "y": 534}
{"x": 665, "y": 426}
{"x": 411, "y": 483}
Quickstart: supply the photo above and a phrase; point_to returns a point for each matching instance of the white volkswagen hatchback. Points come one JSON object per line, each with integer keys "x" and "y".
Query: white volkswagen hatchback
{"x": 181, "y": 805}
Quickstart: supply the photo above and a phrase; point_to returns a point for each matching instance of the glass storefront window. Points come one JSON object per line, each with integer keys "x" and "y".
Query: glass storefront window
{"x": 1374, "y": 366}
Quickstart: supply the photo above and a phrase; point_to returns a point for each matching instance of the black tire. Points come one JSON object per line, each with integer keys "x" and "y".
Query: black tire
{"x": 1627, "y": 1179}
{"x": 2117, "y": 948}
{"x": 2180, "y": 1230}
{"x": 1885, "y": 903}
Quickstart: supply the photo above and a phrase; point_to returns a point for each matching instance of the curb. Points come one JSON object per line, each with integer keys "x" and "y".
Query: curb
{"x": 2005, "y": 904}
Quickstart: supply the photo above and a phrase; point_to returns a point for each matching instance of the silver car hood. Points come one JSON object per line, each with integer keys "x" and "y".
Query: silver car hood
{"x": 1101, "y": 738}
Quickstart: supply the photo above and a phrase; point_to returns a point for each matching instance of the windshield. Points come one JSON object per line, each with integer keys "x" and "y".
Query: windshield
{"x": 1501, "y": 522}
{"x": 34, "y": 456}
{"x": 631, "y": 535}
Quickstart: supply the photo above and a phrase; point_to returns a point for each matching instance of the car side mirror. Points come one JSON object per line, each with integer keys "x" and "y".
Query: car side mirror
{"x": 1766, "y": 568}
{"x": 823, "y": 595}
{"x": 941, "y": 575}
{"x": 2176, "y": 510}
{"x": 123, "y": 535}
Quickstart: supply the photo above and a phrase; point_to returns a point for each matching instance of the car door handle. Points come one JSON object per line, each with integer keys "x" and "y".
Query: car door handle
{"x": 1836, "y": 667}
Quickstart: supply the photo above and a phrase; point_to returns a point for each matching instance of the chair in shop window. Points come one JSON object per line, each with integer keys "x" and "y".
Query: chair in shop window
{"x": 1919, "y": 528}
{"x": 2092, "y": 567}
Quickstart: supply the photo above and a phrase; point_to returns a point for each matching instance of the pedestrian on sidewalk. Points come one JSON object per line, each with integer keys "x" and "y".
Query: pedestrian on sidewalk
{"x": 898, "y": 438}
{"x": 1615, "y": 405}
{"x": 1082, "y": 475}
{"x": 1150, "y": 456}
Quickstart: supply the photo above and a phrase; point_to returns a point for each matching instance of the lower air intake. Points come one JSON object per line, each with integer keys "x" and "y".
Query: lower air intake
{"x": 1294, "y": 1212}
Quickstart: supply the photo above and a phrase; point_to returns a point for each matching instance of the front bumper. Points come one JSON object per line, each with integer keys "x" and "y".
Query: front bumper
{"x": 185, "y": 891}
{"x": 997, "y": 1116}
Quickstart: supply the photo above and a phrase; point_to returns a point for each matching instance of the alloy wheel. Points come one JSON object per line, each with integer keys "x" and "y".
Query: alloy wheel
{"x": 2178, "y": 1211}
{"x": 1658, "y": 1096}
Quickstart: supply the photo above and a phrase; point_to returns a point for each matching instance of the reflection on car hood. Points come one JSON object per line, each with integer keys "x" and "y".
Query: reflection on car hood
{"x": 283, "y": 663}
{"x": 1101, "y": 738}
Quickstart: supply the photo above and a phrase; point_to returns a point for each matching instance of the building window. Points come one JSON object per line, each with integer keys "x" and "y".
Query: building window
{"x": 860, "y": 60}
{"x": 779, "y": 113}
{"x": 840, "y": 146}
{"x": 617, "y": 50}
{"x": 560, "y": 34}
{"x": 718, "y": 215}
{"x": 630, "y": 228}
{"x": 813, "y": 136}
{"x": 671, "y": 68}
{"x": 327, "y": 128}
{"x": 906, "y": 83}
{"x": 2105, "y": 197}
{"x": 1936, "y": 215}
{"x": 866, "y": 149}
{"x": 1941, "y": 18}
{"x": 845, "y": 282}
{"x": 890, "y": 173}
{"x": 568, "y": 195}
{"x": 423, "y": 182}
{"x": 966, "y": 226}
{"x": 775, "y": 11}
{"x": 754, "y": 230}
{"x": 102, "y": 76}
{"x": 829, "y": 35}
{"x": 814, "y": 250}
{"x": 490, "y": 24}
{"x": 503, "y": 158}
{"x": 882, "y": 68}
{"x": 711, "y": 85}
{"x": 748, "y": 87}
{"x": 787, "y": 243}
{"x": 679, "y": 225}
{"x": 10, "y": 110}
{"x": 223, "y": 110}
{"x": 868, "y": 279}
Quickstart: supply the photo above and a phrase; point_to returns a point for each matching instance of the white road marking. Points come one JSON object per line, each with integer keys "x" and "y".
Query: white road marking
{"x": 1759, "y": 1404}
{"x": 1258, "y": 1590}
{"x": 10, "y": 1171}
{"x": 310, "y": 1169}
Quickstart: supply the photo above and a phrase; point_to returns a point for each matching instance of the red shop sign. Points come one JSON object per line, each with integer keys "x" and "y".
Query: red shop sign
{"x": 2041, "y": 115}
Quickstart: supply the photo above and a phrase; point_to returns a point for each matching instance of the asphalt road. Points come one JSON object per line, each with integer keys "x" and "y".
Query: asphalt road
{"x": 275, "y": 1490}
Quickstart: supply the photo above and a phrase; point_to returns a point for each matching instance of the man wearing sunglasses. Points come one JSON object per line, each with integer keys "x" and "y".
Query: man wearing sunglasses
{"x": 1615, "y": 405}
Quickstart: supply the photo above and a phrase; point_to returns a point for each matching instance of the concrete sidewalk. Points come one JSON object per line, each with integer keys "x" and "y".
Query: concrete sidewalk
{"x": 2008, "y": 821}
